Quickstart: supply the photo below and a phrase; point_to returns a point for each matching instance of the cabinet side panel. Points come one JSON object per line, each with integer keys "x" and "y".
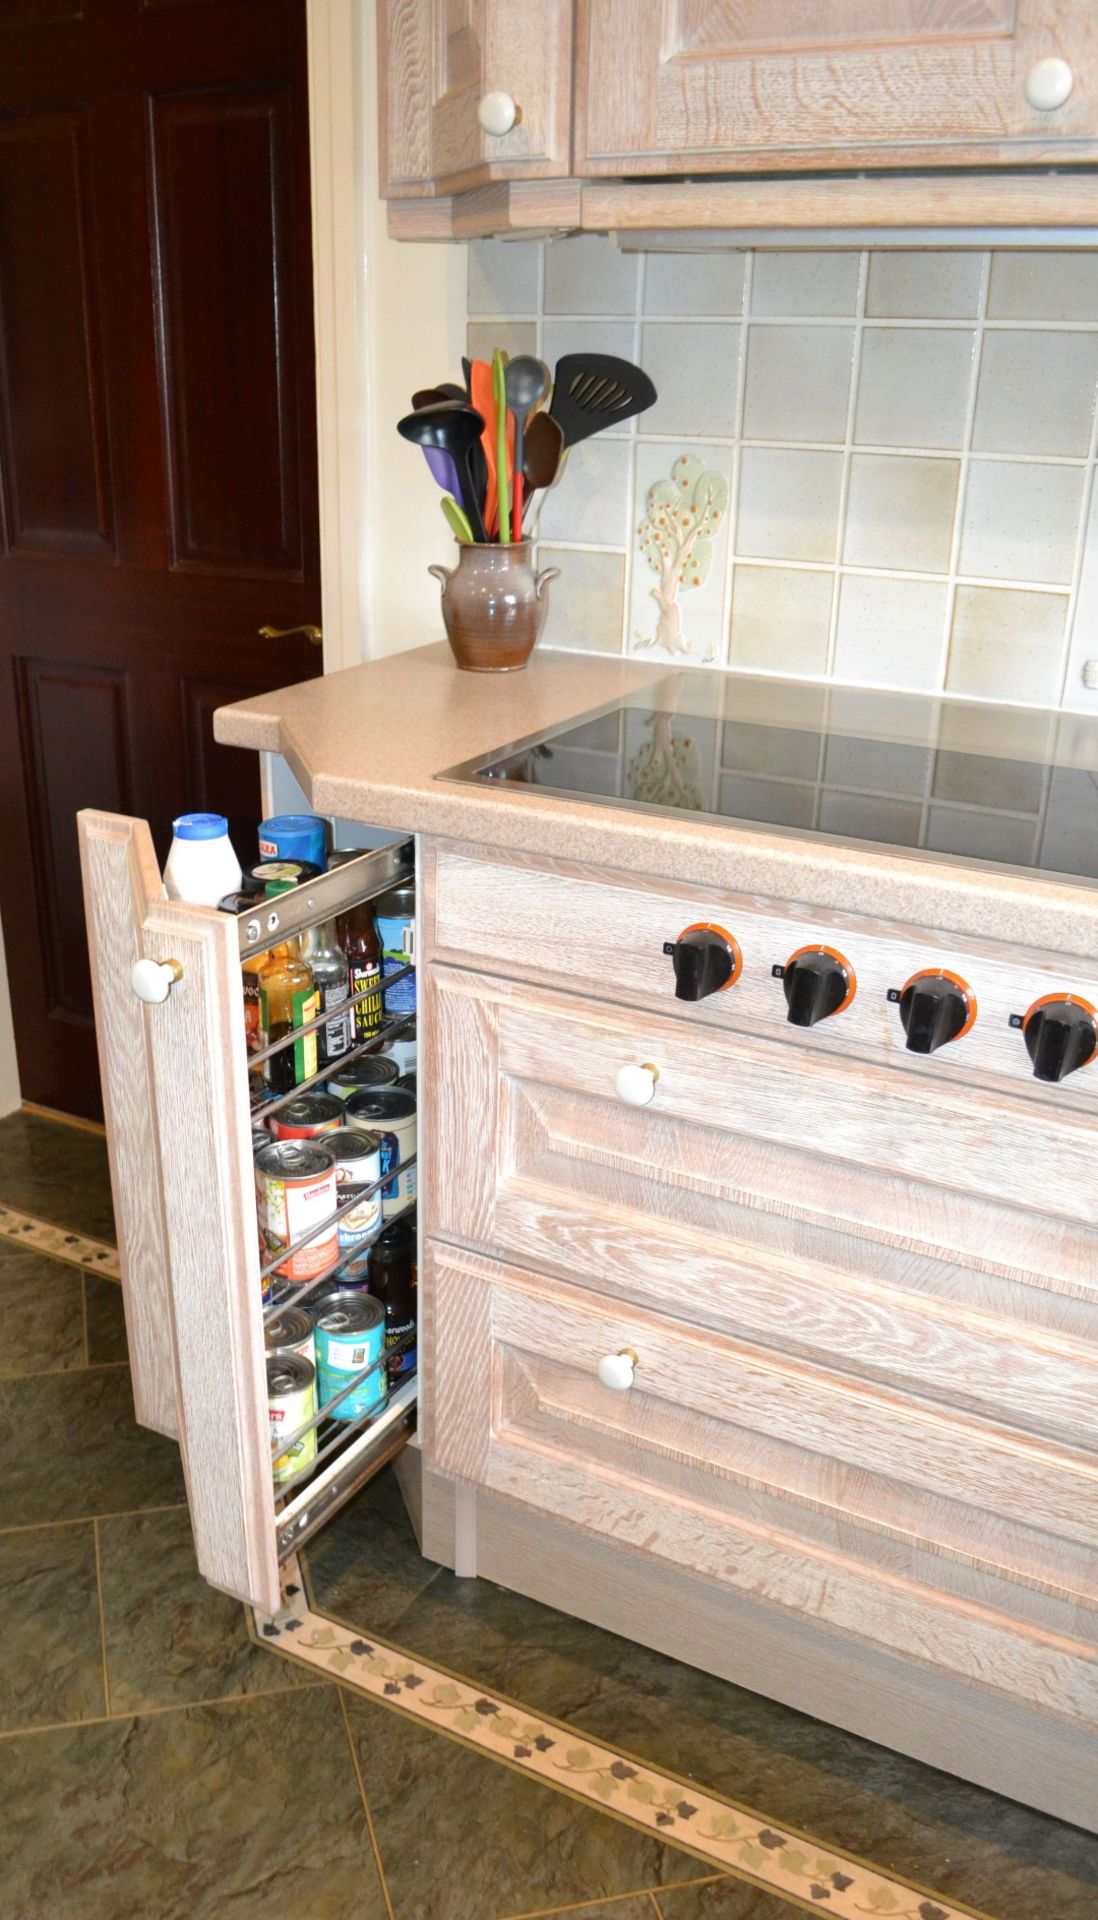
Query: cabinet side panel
{"x": 121, "y": 881}
{"x": 202, "y": 1098}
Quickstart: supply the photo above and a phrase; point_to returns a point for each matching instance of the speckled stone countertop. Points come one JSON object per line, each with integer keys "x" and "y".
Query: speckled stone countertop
{"x": 369, "y": 742}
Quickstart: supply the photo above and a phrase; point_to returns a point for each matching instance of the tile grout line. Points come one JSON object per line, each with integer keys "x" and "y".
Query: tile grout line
{"x": 102, "y": 1620}
{"x": 53, "y": 1373}
{"x": 82, "y": 1519}
{"x": 370, "y": 1828}
{"x": 123, "y": 1714}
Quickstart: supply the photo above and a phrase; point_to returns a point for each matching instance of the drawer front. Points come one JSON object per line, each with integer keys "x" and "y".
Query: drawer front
{"x": 766, "y": 1477}
{"x": 586, "y": 931}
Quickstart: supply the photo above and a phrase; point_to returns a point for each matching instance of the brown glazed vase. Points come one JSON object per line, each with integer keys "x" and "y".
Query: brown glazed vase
{"x": 494, "y": 605}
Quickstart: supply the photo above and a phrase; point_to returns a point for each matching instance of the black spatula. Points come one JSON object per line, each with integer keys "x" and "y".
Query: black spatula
{"x": 593, "y": 391}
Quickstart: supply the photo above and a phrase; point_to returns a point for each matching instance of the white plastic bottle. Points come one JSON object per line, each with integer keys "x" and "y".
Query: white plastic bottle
{"x": 202, "y": 866}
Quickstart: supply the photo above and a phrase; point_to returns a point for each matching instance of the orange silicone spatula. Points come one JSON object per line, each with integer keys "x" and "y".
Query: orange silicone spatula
{"x": 480, "y": 393}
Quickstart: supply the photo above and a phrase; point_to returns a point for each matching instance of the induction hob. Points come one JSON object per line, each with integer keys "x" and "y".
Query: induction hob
{"x": 1012, "y": 786}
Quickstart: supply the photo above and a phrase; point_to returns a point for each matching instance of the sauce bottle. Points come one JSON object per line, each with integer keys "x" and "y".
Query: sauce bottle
{"x": 358, "y": 938}
{"x": 331, "y": 977}
{"x": 392, "y": 1281}
{"x": 288, "y": 999}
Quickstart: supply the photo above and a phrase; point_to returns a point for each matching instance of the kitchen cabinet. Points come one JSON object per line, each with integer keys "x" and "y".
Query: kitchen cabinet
{"x": 696, "y": 114}
{"x": 473, "y": 91}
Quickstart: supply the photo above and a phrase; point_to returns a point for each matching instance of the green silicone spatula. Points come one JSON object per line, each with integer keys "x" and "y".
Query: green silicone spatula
{"x": 456, "y": 520}
{"x": 503, "y": 477}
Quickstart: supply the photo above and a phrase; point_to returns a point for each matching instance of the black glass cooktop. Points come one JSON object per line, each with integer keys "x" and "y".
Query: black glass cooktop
{"x": 1005, "y": 785}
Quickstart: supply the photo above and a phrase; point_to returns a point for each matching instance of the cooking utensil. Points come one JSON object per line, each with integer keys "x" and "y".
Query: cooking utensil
{"x": 480, "y": 389}
{"x": 456, "y": 520}
{"x": 503, "y": 472}
{"x": 542, "y": 452}
{"x": 527, "y": 382}
{"x": 455, "y": 429}
{"x": 434, "y": 396}
{"x": 592, "y": 391}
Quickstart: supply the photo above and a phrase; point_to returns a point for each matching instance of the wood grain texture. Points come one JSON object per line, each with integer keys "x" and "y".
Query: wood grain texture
{"x": 560, "y": 1474}
{"x": 121, "y": 883}
{"x": 885, "y": 86}
{"x": 200, "y": 1060}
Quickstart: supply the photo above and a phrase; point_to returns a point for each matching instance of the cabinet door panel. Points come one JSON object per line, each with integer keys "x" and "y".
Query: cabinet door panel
{"x": 716, "y": 85}
{"x": 437, "y": 59}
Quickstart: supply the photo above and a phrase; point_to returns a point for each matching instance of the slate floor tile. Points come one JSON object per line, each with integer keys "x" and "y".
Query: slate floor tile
{"x": 248, "y": 1809}
{"x": 51, "y": 1662}
{"x": 56, "y": 1172}
{"x": 170, "y": 1638}
{"x": 106, "y": 1321}
{"x": 722, "y": 1900}
{"x": 365, "y": 1564}
{"x": 71, "y": 1449}
{"x": 41, "y": 1313}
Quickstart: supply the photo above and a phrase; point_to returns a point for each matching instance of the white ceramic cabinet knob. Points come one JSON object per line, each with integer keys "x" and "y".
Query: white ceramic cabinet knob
{"x": 618, "y": 1370}
{"x": 153, "y": 980}
{"x": 636, "y": 1085}
{"x": 1048, "y": 84}
{"x": 497, "y": 113}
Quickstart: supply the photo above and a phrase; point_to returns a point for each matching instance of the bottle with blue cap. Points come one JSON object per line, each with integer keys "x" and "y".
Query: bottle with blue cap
{"x": 202, "y": 866}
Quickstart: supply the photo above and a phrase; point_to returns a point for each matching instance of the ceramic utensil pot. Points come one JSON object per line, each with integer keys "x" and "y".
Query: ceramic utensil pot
{"x": 494, "y": 606}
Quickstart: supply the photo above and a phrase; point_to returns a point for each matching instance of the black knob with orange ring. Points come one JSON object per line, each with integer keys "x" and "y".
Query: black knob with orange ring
{"x": 936, "y": 1007}
{"x": 706, "y": 960}
{"x": 1061, "y": 1035}
{"x": 818, "y": 982}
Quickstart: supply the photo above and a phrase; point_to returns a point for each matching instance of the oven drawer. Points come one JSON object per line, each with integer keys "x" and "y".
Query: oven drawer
{"x": 591, "y": 932}
{"x": 800, "y": 1489}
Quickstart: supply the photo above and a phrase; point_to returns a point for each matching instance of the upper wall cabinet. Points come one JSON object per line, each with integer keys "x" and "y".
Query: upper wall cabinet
{"x": 473, "y": 91}
{"x": 707, "y": 86}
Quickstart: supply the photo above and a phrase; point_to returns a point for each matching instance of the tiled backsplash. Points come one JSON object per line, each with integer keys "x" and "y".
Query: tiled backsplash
{"x": 892, "y": 453}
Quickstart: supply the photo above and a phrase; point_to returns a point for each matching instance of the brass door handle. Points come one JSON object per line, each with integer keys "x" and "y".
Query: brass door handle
{"x": 283, "y": 633}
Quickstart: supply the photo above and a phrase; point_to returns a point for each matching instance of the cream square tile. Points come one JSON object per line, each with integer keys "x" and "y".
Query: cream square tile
{"x": 587, "y": 273}
{"x": 503, "y": 277}
{"x": 1021, "y": 521}
{"x": 1043, "y": 286}
{"x": 798, "y": 382}
{"x": 789, "y": 503}
{"x": 686, "y": 625}
{"x": 591, "y": 501}
{"x": 859, "y": 816}
{"x": 1007, "y": 646}
{"x": 514, "y": 336}
{"x": 778, "y": 802}
{"x": 586, "y": 603}
{"x": 986, "y": 780}
{"x": 899, "y": 512}
{"x": 981, "y": 836}
{"x": 923, "y": 285}
{"x": 694, "y": 368}
{"x": 694, "y": 283}
{"x": 587, "y": 336}
{"x": 779, "y": 751}
{"x": 890, "y": 632}
{"x": 876, "y": 766}
{"x": 810, "y": 283}
{"x": 780, "y": 619}
{"x": 1036, "y": 392}
{"x": 913, "y": 386}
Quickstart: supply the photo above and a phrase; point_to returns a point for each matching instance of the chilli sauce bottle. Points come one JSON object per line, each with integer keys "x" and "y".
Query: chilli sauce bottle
{"x": 392, "y": 1281}
{"x": 331, "y": 977}
{"x": 358, "y": 938}
{"x": 288, "y": 999}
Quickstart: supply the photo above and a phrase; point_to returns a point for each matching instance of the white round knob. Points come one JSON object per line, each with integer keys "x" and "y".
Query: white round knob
{"x": 497, "y": 113}
{"x": 636, "y": 1085}
{"x": 153, "y": 980}
{"x": 1048, "y": 84}
{"x": 618, "y": 1370}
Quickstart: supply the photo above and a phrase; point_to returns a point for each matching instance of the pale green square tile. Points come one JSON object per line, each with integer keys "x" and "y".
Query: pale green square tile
{"x": 1021, "y": 521}
{"x": 900, "y": 511}
{"x": 587, "y": 273}
{"x": 789, "y": 503}
{"x": 800, "y": 281}
{"x": 1036, "y": 392}
{"x": 923, "y": 284}
{"x": 798, "y": 382}
{"x": 694, "y": 283}
{"x": 1042, "y": 285}
{"x": 503, "y": 278}
{"x": 913, "y": 386}
{"x": 780, "y": 619}
{"x": 1007, "y": 645}
{"x": 586, "y": 604}
{"x": 890, "y": 632}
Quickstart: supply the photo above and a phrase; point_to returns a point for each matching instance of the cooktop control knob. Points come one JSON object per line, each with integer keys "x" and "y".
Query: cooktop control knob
{"x": 706, "y": 960}
{"x": 1061, "y": 1035}
{"x": 936, "y": 1007}
{"x": 817, "y": 982}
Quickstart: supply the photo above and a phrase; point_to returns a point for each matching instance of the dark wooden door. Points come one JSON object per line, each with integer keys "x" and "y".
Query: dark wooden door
{"x": 157, "y": 445}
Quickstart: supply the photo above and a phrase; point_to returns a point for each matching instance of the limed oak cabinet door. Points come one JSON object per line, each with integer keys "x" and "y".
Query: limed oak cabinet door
{"x": 473, "y": 91}
{"x": 688, "y": 86}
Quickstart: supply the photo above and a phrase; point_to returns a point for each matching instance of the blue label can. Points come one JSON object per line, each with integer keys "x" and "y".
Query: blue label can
{"x": 395, "y": 916}
{"x": 350, "y": 1336}
{"x": 294, "y": 836}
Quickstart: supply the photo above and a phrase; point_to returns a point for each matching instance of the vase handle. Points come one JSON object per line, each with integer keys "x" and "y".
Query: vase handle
{"x": 442, "y": 574}
{"x": 543, "y": 578}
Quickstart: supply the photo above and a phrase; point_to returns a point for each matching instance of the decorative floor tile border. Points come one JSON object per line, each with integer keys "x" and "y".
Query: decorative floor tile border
{"x": 77, "y": 1248}
{"x": 720, "y": 1832}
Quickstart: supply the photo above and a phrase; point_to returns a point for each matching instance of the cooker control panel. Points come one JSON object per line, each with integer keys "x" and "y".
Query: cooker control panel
{"x": 1061, "y": 1035}
{"x": 936, "y": 1007}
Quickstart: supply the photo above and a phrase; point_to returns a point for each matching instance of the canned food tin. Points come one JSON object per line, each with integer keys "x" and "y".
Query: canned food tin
{"x": 395, "y": 915}
{"x": 402, "y": 1048}
{"x": 291, "y": 1332}
{"x": 373, "y": 1070}
{"x": 291, "y": 1400}
{"x": 350, "y": 1335}
{"x": 295, "y": 1191}
{"x": 407, "y": 1084}
{"x": 307, "y": 1117}
{"x": 293, "y": 836}
{"x": 358, "y": 1166}
{"x": 280, "y": 876}
{"x": 392, "y": 1113}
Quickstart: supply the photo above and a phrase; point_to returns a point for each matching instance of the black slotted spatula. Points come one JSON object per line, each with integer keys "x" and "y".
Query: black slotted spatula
{"x": 593, "y": 391}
